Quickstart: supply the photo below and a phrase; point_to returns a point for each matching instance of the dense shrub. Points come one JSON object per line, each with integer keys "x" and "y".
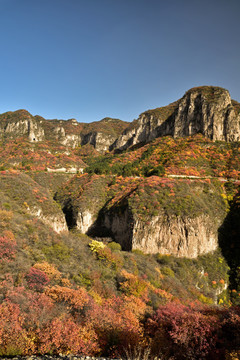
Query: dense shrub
{"x": 36, "y": 279}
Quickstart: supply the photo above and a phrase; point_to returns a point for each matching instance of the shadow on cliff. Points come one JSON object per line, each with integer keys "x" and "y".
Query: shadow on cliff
{"x": 115, "y": 223}
{"x": 229, "y": 242}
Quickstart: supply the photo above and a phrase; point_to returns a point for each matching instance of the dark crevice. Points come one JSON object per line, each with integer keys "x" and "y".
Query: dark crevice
{"x": 70, "y": 215}
{"x": 229, "y": 242}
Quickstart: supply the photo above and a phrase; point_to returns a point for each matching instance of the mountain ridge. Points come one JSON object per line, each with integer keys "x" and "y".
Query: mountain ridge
{"x": 208, "y": 110}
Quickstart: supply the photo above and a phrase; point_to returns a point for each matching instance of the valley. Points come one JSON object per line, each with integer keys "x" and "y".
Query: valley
{"x": 117, "y": 235}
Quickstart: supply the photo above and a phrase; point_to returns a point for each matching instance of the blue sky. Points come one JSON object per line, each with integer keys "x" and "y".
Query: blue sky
{"x": 87, "y": 59}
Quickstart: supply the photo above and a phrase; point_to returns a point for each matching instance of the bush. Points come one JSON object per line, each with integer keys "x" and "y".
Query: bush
{"x": 114, "y": 246}
{"x": 36, "y": 279}
{"x": 7, "y": 248}
{"x": 182, "y": 332}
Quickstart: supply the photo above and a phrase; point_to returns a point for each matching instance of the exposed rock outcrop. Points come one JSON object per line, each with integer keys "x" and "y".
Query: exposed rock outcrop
{"x": 85, "y": 221}
{"x": 57, "y": 221}
{"x": 207, "y": 110}
{"x": 100, "y": 134}
{"x": 153, "y": 215}
{"x": 22, "y": 124}
{"x": 175, "y": 235}
{"x": 100, "y": 141}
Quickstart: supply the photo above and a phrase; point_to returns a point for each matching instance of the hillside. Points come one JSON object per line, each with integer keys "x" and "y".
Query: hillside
{"x": 57, "y": 280}
{"x": 67, "y": 133}
{"x": 206, "y": 110}
{"x": 136, "y": 249}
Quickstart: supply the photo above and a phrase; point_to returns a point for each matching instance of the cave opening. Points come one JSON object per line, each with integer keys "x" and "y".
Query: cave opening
{"x": 70, "y": 216}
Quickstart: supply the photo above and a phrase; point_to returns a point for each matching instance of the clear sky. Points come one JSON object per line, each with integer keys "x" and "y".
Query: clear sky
{"x": 87, "y": 59}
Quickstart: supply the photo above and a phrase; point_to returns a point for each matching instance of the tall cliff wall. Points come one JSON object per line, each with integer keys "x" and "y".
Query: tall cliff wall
{"x": 100, "y": 134}
{"x": 180, "y": 236}
{"x": 154, "y": 215}
{"x": 207, "y": 110}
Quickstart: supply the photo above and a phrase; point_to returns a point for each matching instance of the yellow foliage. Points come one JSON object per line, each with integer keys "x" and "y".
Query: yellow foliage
{"x": 98, "y": 299}
{"x": 6, "y": 215}
{"x": 160, "y": 275}
{"x": 49, "y": 270}
{"x": 134, "y": 285}
{"x": 234, "y": 355}
{"x": 95, "y": 245}
{"x": 66, "y": 282}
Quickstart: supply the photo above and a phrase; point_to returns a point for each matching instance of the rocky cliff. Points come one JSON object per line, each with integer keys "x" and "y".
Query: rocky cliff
{"x": 207, "y": 110}
{"x": 180, "y": 236}
{"x": 154, "y": 215}
{"x": 69, "y": 133}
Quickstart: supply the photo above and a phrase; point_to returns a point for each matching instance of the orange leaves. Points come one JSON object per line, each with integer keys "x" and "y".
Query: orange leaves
{"x": 7, "y": 247}
{"x": 164, "y": 294}
{"x": 111, "y": 259}
{"x": 135, "y": 305}
{"x": 133, "y": 285}
{"x": 116, "y": 324}
{"x": 49, "y": 270}
{"x": 76, "y": 299}
{"x": 13, "y": 337}
{"x": 63, "y": 335}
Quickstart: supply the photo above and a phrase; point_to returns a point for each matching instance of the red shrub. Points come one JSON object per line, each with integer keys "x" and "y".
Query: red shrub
{"x": 182, "y": 332}
{"x": 65, "y": 336}
{"x": 7, "y": 249}
{"x": 14, "y": 339}
{"x": 116, "y": 325}
{"x": 36, "y": 279}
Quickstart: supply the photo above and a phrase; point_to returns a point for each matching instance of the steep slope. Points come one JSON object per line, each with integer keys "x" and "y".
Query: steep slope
{"x": 188, "y": 156}
{"x": 154, "y": 215}
{"x": 169, "y": 203}
{"x": 207, "y": 110}
{"x": 70, "y": 133}
{"x": 35, "y": 199}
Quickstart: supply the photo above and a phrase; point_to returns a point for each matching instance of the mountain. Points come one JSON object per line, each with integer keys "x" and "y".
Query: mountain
{"x": 101, "y": 134}
{"x": 132, "y": 252}
{"x": 207, "y": 110}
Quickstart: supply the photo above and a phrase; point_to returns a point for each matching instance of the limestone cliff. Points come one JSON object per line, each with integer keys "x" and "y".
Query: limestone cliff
{"x": 184, "y": 224}
{"x": 56, "y": 221}
{"x": 175, "y": 235}
{"x": 154, "y": 215}
{"x": 69, "y": 133}
{"x": 207, "y": 110}
{"x": 21, "y": 123}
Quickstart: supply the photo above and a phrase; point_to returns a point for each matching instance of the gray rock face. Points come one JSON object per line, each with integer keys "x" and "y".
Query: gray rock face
{"x": 57, "y": 222}
{"x": 100, "y": 141}
{"x": 175, "y": 235}
{"x": 71, "y": 134}
{"x": 207, "y": 110}
{"x": 28, "y": 127}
